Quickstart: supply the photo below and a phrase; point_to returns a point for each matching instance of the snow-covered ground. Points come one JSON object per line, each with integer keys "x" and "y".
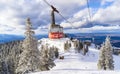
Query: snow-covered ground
{"x": 59, "y": 43}
{"x": 76, "y": 63}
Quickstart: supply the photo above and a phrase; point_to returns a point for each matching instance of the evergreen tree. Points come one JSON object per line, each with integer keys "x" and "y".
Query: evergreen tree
{"x": 30, "y": 57}
{"x": 9, "y": 56}
{"x": 48, "y": 57}
{"x": 101, "y": 61}
{"x": 80, "y": 45}
{"x": 76, "y": 44}
{"x": 105, "y": 61}
{"x": 67, "y": 46}
{"x": 109, "y": 58}
{"x": 56, "y": 52}
{"x": 84, "y": 51}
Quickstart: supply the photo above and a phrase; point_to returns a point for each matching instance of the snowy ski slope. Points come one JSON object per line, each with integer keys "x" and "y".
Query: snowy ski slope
{"x": 76, "y": 63}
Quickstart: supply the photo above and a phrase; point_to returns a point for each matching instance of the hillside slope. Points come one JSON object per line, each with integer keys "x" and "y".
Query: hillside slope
{"x": 76, "y": 63}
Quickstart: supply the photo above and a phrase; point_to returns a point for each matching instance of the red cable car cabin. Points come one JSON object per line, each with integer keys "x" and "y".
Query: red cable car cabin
{"x": 56, "y": 32}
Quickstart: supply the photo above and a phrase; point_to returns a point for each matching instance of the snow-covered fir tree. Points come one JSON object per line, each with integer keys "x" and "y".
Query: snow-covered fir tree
{"x": 105, "y": 61}
{"x": 76, "y": 45}
{"x": 109, "y": 58}
{"x": 48, "y": 57}
{"x": 101, "y": 61}
{"x": 56, "y": 52}
{"x": 67, "y": 46}
{"x": 9, "y": 56}
{"x": 30, "y": 59}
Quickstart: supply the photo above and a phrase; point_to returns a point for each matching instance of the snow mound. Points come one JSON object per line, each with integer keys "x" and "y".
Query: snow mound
{"x": 58, "y": 43}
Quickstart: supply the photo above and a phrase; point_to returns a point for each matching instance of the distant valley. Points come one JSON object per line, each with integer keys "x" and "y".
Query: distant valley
{"x": 97, "y": 38}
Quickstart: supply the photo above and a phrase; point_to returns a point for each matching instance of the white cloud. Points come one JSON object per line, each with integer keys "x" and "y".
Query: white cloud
{"x": 79, "y": 19}
{"x": 105, "y": 28}
{"x": 95, "y": 29}
{"x": 109, "y": 14}
{"x": 14, "y": 12}
{"x": 103, "y": 2}
{"x": 73, "y": 25}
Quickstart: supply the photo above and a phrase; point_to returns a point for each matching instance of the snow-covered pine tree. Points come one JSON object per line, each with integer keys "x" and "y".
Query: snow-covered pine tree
{"x": 56, "y": 52}
{"x": 101, "y": 61}
{"x": 48, "y": 57}
{"x": 44, "y": 55}
{"x": 67, "y": 46}
{"x": 80, "y": 45}
{"x": 105, "y": 61}
{"x": 51, "y": 57}
{"x": 76, "y": 45}
{"x": 30, "y": 59}
{"x": 109, "y": 58}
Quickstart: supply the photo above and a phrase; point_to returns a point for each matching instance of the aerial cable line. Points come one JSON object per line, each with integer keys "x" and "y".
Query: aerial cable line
{"x": 58, "y": 13}
{"x": 66, "y": 20}
{"x": 89, "y": 13}
{"x": 90, "y": 19}
{"x": 46, "y": 2}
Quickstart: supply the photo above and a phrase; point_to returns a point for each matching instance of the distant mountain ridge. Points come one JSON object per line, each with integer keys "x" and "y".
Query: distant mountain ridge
{"x": 8, "y": 38}
{"x": 98, "y": 37}
{"x": 91, "y": 24}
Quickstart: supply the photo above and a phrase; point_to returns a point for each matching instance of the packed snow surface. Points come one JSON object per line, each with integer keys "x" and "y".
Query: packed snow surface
{"x": 76, "y": 63}
{"x": 59, "y": 43}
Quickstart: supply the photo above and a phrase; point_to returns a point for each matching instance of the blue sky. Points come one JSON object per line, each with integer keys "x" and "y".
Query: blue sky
{"x": 13, "y": 14}
{"x": 94, "y": 3}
